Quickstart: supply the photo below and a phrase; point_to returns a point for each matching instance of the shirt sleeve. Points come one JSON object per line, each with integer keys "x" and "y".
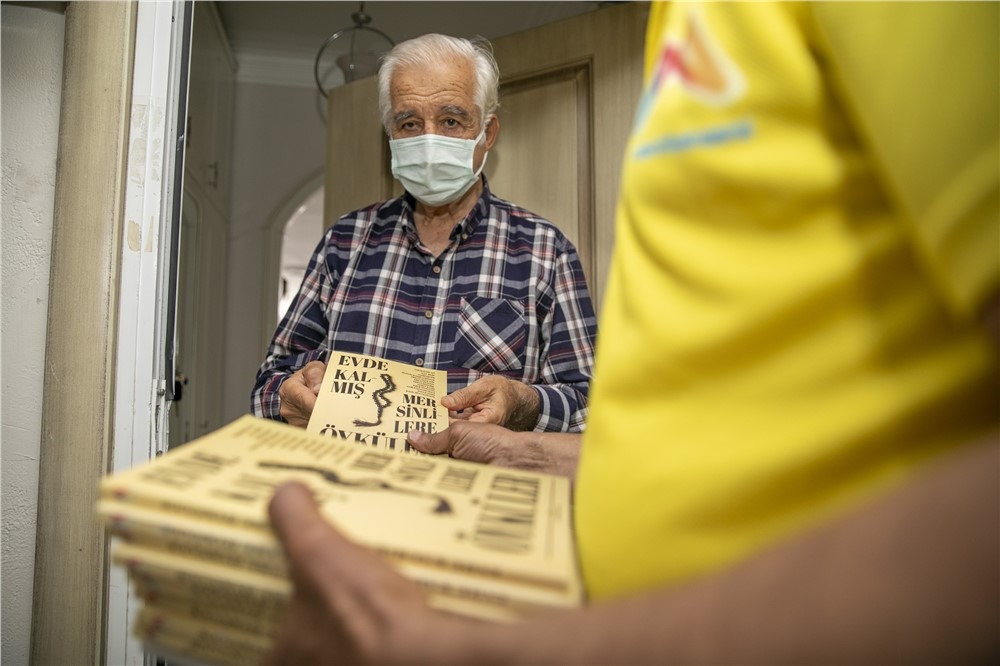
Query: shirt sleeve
{"x": 300, "y": 336}
{"x": 932, "y": 130}
{"x": 569, "y": 355}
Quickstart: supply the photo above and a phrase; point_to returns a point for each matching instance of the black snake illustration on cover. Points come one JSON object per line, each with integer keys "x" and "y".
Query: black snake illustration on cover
{"x": 381, "y": 402}
{"x": 441, "y": 505}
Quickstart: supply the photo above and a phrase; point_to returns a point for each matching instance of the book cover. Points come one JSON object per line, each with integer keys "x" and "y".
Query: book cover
{"x": 430, "y": 510}
{"x": 375, "y": 401}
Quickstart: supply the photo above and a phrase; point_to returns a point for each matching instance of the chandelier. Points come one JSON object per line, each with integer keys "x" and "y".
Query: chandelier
{"x": 367, "y": 44}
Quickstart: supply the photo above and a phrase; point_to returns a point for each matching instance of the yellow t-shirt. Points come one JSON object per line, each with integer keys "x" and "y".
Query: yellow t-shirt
{"x": 808, "y": 223}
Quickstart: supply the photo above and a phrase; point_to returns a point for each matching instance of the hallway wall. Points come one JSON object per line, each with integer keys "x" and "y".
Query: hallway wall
{"x": 279, "y": 143}
{"x": 32, "y": 50}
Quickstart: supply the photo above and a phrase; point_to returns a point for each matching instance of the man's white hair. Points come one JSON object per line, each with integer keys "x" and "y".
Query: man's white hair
{"x": 431, "y": 49}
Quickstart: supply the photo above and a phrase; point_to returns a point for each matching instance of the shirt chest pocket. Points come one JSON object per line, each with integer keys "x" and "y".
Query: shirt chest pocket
{"x": 491, "y": 335}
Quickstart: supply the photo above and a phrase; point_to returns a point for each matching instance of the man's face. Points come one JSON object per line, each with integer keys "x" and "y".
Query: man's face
{"x": 434, "y": 100}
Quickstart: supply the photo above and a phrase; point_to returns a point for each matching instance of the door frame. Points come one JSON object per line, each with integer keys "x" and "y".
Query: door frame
{"x": 147, "y": 284}
{"x": 103, "y": 391}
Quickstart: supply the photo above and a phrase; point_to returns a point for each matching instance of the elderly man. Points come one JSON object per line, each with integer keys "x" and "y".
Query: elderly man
{"x": 447, "y": 276}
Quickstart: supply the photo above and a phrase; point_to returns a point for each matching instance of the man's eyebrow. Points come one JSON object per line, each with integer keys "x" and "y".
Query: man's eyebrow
{"x": 403, "y": 115}
{"x": 446, "y": 110}
{"x": 453, "y": 110}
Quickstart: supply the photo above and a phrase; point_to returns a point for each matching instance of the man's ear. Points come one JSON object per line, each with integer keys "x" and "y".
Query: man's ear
{"x": 492, "y": 131}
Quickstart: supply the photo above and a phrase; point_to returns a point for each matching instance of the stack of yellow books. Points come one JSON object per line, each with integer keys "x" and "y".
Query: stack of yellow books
{"x": 193, "y": 531}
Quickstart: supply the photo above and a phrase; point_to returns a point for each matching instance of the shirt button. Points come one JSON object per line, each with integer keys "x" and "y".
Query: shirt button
{"x": 420, "y": 362}
{"x": 465, "y": 236}
{"x": 428, "y": 314}
{"x": 436, "y": 269}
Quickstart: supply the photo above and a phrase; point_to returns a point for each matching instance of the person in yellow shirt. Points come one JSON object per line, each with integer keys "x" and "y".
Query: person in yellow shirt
{"x": 792, "y": 450}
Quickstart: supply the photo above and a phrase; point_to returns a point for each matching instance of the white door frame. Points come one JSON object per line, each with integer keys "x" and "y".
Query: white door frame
{"x": 160, "y": 62}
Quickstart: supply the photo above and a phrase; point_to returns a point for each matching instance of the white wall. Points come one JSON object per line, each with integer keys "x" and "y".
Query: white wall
{"x": 32, "y": 47}
{"x": 278, "y": 146}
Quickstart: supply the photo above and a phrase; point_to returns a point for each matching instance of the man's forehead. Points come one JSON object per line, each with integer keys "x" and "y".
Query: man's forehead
{"x": 456, "y": 80}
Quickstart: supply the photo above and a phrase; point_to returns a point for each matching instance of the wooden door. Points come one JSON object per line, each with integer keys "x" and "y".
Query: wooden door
{"x": 567, "y": 99}
{"x": 210, "y": 107}
{"x": 200, "y": 319}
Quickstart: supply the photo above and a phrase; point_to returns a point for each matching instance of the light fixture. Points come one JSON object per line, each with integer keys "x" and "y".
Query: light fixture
{"x": 360, "y": 60}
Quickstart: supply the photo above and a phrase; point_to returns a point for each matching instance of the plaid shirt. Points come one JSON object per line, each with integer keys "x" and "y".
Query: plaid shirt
{"x": 506, "y": 297}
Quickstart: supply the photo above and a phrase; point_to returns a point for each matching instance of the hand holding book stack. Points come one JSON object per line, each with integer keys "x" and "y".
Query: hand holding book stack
{"x": 481, "y": 541}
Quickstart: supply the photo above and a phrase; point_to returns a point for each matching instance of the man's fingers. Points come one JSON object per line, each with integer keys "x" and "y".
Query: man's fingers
{"x": 454, "y": 401}
{"x": 297, "y": 400}
{"x": 464, "y": 440}
{"x": 438, "y": 442}
{"x": 467, "y": 397}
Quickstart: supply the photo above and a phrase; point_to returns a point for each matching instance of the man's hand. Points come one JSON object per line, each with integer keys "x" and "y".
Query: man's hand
{"x": 297, "y": 394}
{"x": 555, "y": 453}
{"x": 495, "y": 399}
{"x": 348, "y": 606}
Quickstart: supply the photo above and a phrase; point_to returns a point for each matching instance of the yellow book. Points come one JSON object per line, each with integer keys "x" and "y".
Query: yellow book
{"x": 251, "y": 548}
{"x": 155, "y": 572}
{"x": 433, "y": 511}
{"x": 375, "y": 401}
{"x": 242, "y": 600}
{"x": 257, "y": 550}
{"x": 209, "y": 608}
{"x": 169, "y": 634}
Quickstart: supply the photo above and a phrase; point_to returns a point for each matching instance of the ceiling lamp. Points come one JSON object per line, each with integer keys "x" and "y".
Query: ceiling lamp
{"x": 367, "y": 44}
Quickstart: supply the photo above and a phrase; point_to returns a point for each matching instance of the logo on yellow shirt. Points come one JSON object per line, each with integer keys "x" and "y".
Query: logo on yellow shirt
{"x": 692, "y": 63}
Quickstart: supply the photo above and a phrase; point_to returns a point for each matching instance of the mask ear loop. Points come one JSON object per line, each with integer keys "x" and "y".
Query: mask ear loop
{"x": 480, "y": 139}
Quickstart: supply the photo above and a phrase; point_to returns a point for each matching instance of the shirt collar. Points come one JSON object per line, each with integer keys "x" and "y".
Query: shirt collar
{"x": 465, "y": 228}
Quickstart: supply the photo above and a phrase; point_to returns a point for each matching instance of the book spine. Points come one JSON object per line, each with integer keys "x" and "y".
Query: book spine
{"x": 261, "y": 619}
{"x": 203, "y": 641}
{"x": 183, "y": 576}
{"x": 181, "y": 529}
{"x": 212, "y": 590}
{"x": 514, "y": 599}
{"x": 232, "y": 610}
{"x": 255, "y": 550}
{"x": 180, "y": 506}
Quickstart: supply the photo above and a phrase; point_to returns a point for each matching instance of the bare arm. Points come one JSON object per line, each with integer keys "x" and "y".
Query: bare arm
{"x": 911, "y": 578}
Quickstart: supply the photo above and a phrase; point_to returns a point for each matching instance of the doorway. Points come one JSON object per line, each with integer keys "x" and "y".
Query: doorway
{"x": 301, "y": 233}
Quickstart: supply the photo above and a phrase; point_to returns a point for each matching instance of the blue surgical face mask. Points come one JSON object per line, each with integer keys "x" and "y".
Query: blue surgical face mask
{"x": 435, "y": 169}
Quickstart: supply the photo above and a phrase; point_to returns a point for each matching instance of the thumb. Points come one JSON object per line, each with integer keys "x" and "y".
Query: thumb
{"x": 438, "y": 442}
{"x": 290, "y": 504}
{"x": 313, "y": 375}
{"x": 298, "y": 523}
